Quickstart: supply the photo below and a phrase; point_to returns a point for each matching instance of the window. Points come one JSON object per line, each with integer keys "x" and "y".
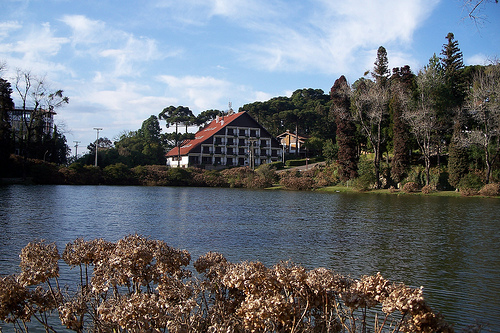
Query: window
{"x": 253, "y": 133}
{"x": 242, "y": 132}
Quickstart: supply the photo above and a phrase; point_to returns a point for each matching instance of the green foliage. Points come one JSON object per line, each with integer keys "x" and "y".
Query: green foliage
{"x": 277, "y": 165}
{"x": 118, "y": 174}
{"x": 366, "y": 176}
{"x": 178, "y": 177}
{"x": 471, "y": 181}
{"x": 330, "y": 151}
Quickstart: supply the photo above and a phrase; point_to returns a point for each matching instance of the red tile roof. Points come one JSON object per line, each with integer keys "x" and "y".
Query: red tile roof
{"x": 204, "y": 134}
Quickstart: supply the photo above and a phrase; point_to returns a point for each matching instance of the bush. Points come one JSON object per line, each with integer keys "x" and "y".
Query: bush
{"x": 143, "y": 285}
{"x": 490, "y": 190}
{"x": 118, "y": 174}
{"x": 296, "y": 181}
{"x": 427, "y": 189}
{"x": 366, "y": 179}
{"x": 178, "y": 177}
{"x": 152, "y": 175}
{"x": 471, "y": 182}
{"x": 410, "y": 187}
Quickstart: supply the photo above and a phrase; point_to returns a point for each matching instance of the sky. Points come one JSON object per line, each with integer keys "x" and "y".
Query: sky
{"x": 120, "y": 62}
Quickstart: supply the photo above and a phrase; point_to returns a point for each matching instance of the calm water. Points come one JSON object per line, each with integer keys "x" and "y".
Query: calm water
{"x": 451, "y": 246}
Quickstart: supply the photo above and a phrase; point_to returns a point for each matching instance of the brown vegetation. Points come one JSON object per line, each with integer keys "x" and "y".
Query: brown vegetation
{"x": 142, "y": 285}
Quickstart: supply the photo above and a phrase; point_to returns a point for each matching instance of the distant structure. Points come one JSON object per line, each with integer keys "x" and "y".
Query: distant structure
{"x": 232, "y": 140}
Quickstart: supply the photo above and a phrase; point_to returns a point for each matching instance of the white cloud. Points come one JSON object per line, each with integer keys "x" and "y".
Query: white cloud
{"x": 198, "y": 92}
{"x": 7, "y": 27}
{"x": 477, "y": 59}
{"x": 333, "y": 36}
{"x": 84, "y": 30}
{"x": 39, "y": 43}
{"x": 93, "y": 38}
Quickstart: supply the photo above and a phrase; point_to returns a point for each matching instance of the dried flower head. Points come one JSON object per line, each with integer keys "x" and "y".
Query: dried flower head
{"x": 13, "y": 297}
{"x": 39, "y": 262}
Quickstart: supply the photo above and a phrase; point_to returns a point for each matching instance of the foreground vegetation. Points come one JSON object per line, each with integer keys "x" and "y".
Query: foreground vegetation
{"x": 143, "y": 285}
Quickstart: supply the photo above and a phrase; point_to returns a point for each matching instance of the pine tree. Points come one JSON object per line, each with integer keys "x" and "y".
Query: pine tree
{"x": 453, "y": 65}
{"x": 346, "y": 130}
{"x": 402, "y": 83}
{"x": 381, "y": 70}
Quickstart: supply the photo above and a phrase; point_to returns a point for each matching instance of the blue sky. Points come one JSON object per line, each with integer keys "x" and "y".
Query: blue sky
{"x": 121, "y": 61}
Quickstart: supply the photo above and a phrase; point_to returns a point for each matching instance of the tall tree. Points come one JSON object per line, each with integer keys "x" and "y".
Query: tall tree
{"x": 207, "y": 116}
{"x": 483, "y": 106}
{"x": 38, "y": 101}
{"x": 402, "y": 86}
{"x": 371, "y": 112}
{"x": 150, "y": 129}
{"x": 6, "y": 105}
{"x": 345, "y": 133}
{"x": 381, "y": 70}
{"x": 454, "y": 90}
{"x": 458, "y": 157}
{"x": 423, "y": 117}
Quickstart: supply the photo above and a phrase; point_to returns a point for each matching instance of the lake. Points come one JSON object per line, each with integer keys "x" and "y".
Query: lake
{"x": 449, "y": 245}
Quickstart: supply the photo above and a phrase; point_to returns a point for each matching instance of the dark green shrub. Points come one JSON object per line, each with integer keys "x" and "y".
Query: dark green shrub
{"x": 118, "y": 174}
{"x": 470, "y": 182}
{"x": 178, "y": 176}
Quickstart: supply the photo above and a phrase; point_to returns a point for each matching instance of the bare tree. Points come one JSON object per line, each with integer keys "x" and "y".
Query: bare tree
{"x": 371, "y": 110}
{"x": 473, "y": 8}
{"x": 38, "y": 102}
{"x": 422, "y": 117}
{"x": 483, "y": 106}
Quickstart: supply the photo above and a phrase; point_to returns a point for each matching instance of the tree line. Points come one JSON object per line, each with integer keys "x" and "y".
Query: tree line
{"x": 446, "y": 117}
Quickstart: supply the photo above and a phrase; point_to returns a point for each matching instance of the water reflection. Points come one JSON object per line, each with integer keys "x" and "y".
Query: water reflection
{"x": 449, "y": 245}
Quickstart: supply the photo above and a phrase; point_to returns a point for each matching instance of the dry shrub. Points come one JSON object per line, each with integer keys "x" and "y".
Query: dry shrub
{"x": 468, "y": 192}
{"x": 490, "y": 190}
{"x": 296, "y": 181}
{"x": 141, "y": 285}
{"x": 427, "y": 189}
{"x": 410, "y": 187}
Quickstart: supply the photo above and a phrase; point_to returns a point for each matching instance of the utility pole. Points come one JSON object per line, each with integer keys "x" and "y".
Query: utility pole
{"x": 252, "y": 153}
{"x": 96, "y": 143}
{"x": 76, "y": 149}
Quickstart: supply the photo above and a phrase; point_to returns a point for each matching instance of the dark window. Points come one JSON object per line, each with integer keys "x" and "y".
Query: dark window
{"x": 230, "y": 131}
{"x": 242, "y": 132}
{"x": 241, "y": 142}
{"x": 206, "y": 150}
{"x": 230, "y": 141}
{"x": 230, "y": 151}
{"x": 253, "y": 133}
{"x": 241, "y": 151}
